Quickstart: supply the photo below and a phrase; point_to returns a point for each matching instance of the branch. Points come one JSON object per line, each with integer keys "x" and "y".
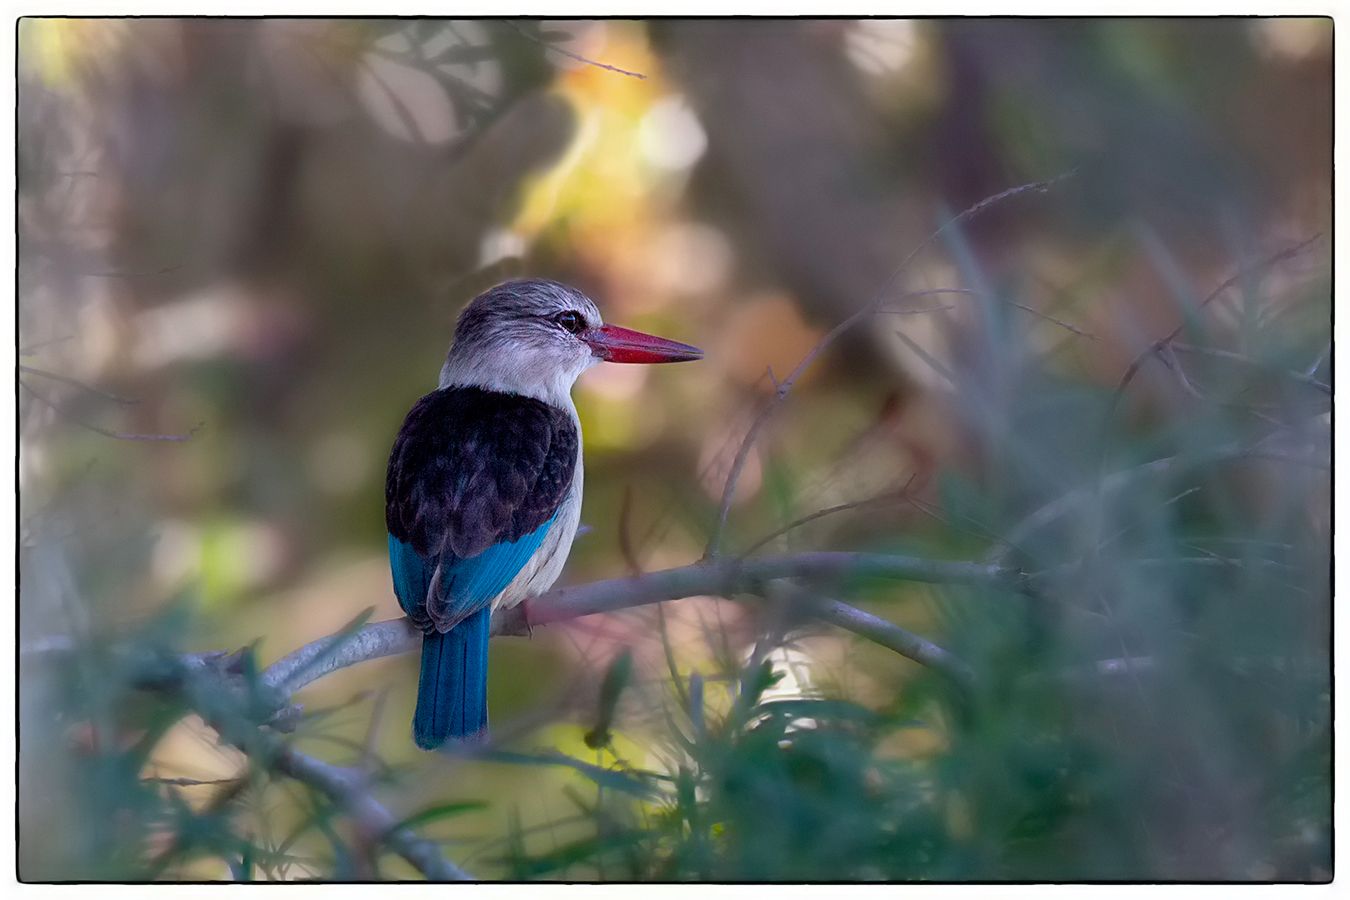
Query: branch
{"x": 732, "y": 576}
{"x": 234, "y": 711}
{"x": 347, "y": 788}
{"x": 318, "y": 658}
{"x": 723, "y": 577}
{"x": 237, "y": 710}
{"x": 892, "y": 636}
{"x": 802, "y": 601}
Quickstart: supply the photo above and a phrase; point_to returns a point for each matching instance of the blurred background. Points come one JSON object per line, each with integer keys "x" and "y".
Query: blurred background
{"x": 243, "y": 245}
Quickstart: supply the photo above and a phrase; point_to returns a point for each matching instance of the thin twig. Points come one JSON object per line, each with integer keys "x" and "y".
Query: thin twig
{"x": 933, "y": 362}
{"x": 76, "y": 383}
{"x": 888, "y": 497}
{"x": 1168, "y": 357}
{"x": 227, "y": 794}
{"x": 1065, "y": 503}
{"x": 1317, "y": 363}
{"x": 1027, "y": 309}
{"x": 368, "y": 757}
{"x": 570, "y": 54}
{"x": 1210, "y": 561}
{"x": 115, "y": 435}
{"x": 928, "y": 310}
{"x": 32, "y": 349}
{"x": 232, "y": 711}
{"x": 1217, "y": 353}
{"x": 1157, "y": 347}
{"x": 626, "y": 548}
{"x": 187, "y": 782}
{"x": 785, "y": 386}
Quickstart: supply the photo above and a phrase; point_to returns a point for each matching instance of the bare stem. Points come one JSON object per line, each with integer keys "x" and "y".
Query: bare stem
{"x": 906, "y": 643}
{"x": 877, "y": 302}
{"x": 1071, "y": 500}
{"x": 319, "y": 658}
{"x": 349, "y": 790}
{"x": 231, "y": 713}
{"x": 115, "y": 435}
{"x": 75, "y": 383}
{"x": 1158, "y": 347}
{"x": 572, "y": 54}
{"x": 889, "y": 497}
{"x": 713, "y": 577}
{"x": 1218, "y": 353}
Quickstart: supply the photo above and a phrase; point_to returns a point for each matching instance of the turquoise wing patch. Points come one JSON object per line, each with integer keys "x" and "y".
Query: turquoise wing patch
{"x": 467, "y": 585}
{"x": 412, "y": 577}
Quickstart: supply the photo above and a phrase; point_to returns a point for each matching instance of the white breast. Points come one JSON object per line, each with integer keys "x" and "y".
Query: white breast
{"x": 547, "y": 563}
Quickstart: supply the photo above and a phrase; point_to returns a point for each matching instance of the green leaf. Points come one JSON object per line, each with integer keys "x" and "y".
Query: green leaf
{"x": 438, "y": 812}
{"x": 609, "y": 778}
{"x": 616, "y": 679}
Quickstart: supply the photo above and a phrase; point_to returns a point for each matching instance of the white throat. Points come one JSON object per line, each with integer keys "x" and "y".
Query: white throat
{"x": 511, "y": 375}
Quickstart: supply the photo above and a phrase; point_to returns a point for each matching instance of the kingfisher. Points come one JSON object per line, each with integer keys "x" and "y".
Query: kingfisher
{"x": 483, "y": 491}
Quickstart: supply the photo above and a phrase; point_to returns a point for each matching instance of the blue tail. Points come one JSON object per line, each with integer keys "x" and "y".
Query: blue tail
{"x": 452, "y": 688}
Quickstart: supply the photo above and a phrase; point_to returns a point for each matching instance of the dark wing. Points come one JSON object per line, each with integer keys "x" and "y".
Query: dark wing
{"x": 475, "y": 479}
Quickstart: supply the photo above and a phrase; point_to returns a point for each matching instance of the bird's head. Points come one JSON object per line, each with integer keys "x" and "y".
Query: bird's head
{"x": 535, "y": 337}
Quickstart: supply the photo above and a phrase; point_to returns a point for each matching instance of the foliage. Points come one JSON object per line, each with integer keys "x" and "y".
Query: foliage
{"x": 1147, "y": 699}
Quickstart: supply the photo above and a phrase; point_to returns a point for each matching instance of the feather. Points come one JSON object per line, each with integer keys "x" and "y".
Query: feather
{"x": 475, "y": 482}
{"x": 452, "y": 684}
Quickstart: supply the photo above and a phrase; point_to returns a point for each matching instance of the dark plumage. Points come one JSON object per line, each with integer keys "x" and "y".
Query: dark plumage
{"x": 483, "y": 494}
{"x": 475, "y": 481}
{"x": 473, "y": 468}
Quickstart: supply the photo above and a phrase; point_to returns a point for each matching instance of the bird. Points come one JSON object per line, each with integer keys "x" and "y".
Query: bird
{"x": 484, "y": 484}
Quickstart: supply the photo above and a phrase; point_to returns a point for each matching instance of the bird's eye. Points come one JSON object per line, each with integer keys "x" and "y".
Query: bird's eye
{"x": 570, "y": 321}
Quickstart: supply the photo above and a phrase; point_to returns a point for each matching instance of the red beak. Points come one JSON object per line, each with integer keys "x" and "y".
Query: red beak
{"x": 623, "y": 345}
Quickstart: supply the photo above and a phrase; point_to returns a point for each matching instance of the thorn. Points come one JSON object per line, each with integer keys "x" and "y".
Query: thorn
{"x": 288, "y": 718}
{"x": 231, "y": 662}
